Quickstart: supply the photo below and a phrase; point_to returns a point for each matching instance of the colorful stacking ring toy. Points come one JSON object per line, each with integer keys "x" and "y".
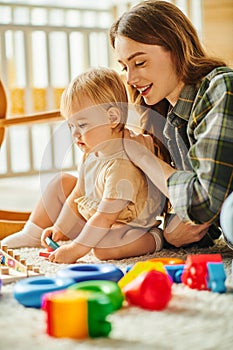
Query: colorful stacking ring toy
{"x": 86, "y": 272}
{"x": 168, "y": 261}
{"x": 29, "y": 292}
{"x": 108, "y": 288}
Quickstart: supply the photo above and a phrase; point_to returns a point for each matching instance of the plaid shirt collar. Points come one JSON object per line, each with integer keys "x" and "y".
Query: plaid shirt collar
{"x": 184, "y": 104}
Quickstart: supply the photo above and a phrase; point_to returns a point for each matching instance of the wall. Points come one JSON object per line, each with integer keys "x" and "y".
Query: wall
{"x": 218, "y": 28}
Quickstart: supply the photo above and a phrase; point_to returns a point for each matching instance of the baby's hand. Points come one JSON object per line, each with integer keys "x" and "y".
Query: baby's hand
{"x": 48, "y": 232}
{"x": 53, "y": 233}
{"x": 58, "y": 236}
{"x": 68, "y": 253}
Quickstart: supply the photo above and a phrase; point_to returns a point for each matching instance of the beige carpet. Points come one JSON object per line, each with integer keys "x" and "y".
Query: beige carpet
{"x": 193, "y": 319}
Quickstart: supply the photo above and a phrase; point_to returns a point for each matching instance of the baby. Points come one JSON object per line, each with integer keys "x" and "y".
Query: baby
{"x": 112, "y": 207}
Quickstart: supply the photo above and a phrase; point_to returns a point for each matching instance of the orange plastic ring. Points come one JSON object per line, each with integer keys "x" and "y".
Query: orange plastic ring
{"x": 168, "y": 261}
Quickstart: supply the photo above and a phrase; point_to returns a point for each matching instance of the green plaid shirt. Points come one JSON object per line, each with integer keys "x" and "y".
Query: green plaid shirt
{"x": 199, "y": 136}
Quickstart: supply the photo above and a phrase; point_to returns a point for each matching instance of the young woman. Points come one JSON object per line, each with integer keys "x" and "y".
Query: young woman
{"x": 190, "y": 96}
{"x": 112, "y": 206}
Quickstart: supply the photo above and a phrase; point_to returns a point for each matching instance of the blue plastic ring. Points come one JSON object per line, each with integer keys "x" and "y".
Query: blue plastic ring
{"x": 29, "y": 291}
{"x": 86, "y": 272}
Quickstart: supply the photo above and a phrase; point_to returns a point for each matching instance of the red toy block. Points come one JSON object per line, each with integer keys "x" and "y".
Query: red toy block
{"x": 45, "y": 254}
{"x": 195, "y": 270}
{"x": 150, "y": 290}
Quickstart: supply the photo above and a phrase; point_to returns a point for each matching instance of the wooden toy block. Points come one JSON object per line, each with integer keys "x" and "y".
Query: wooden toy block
{"x": 13, "y": 268}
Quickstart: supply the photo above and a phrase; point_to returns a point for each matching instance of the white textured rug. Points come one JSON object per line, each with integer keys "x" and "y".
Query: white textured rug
{"x": 193, "y": 319}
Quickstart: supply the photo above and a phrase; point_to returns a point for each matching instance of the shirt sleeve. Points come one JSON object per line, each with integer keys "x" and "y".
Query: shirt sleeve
{"x": 198, "y": 195}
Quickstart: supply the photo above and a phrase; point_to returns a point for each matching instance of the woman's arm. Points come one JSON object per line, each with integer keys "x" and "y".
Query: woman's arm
{"x": 198, "y": 195}
{"x": 178, "y": 232}
{"x": 139, "y": 149}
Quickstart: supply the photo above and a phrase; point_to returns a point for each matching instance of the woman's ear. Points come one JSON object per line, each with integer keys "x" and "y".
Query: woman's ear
{"x": 114, "y": 116}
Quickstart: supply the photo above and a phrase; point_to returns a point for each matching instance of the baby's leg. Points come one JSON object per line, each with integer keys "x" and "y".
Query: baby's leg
{"x": 44, "y": 214}
{"x": 52, "y": 200}
{"x": 129, "y": 242}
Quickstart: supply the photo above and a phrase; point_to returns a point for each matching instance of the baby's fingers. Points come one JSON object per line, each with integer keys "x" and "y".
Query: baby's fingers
{"x": 52, "y": 257}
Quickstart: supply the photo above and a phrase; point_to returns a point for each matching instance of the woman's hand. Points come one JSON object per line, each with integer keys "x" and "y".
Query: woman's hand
{"x": 136, "y": 144}
{"x": 54, "y": 233}
{"x": 179, "y": 233}
{"x": 139, "y": 148}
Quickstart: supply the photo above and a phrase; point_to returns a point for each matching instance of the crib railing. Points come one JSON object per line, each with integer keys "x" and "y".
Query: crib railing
{"x": 41, "y": 49}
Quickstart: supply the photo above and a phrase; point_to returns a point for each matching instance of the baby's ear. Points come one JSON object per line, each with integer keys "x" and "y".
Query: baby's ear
{"x": 114, "y": 116}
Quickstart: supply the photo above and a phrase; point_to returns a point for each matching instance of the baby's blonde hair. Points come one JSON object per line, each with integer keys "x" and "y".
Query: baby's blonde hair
{"x": 101, "y": 85}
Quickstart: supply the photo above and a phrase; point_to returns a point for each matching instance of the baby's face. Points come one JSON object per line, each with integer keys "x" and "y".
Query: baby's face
{"x": 89, "y": 125}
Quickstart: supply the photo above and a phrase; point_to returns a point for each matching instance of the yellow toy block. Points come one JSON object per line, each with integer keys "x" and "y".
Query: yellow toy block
{"x": 138, "y": 268}
{"x": 70, "y": 306}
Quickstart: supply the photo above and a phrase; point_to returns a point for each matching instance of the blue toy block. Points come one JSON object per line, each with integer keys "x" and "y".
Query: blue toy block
{"x": 175, "y": 272}
{"x": 216, "y": 277}
{"x": 53, "y": 245}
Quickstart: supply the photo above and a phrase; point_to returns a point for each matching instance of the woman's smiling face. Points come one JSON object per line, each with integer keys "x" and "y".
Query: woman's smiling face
{"x": 150, "y": 69}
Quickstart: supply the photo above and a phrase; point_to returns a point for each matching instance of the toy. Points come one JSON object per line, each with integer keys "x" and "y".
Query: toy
{"x": 175, "y": 272}
{"x": 77, "y": 314}
{"x": 29, "y": 292}
{"x": 45, "y": 254}
{"x": 164, "y": 261}
{"x": 138, "y": 268}
{"x": 108, "y": 288}
{"x": 150, "y": 290}
{"x": 168, "y": 261}
{"x": 195, "y": 270}
{"x": 216, "y": 277}
{"x": 53, "y": 245}
{"x": 13, "y": 268}
{"x": 86, "y": 272}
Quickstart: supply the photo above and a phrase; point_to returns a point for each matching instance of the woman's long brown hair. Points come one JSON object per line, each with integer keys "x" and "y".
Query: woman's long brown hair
{"x": 162, "y": 23}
